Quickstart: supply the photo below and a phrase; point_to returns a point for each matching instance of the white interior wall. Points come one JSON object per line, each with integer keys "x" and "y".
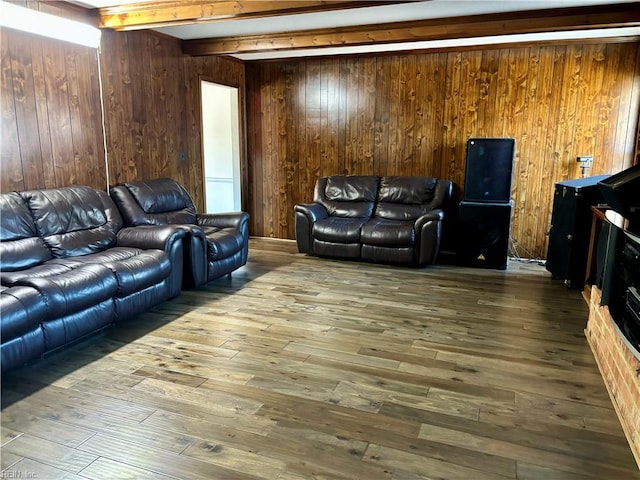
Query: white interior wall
{"x": 220, "y": 131}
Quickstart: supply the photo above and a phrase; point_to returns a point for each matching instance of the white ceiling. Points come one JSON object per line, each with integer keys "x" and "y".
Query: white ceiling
{"x": 420, "y": 10}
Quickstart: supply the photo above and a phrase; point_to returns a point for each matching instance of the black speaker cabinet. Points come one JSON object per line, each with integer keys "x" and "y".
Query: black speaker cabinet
{"x": 483, "y": 234}
{"x": 488, "y": 170}
{"x": 570, "y": 230}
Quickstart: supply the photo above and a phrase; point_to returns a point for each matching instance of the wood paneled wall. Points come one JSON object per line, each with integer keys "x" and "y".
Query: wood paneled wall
{"x": 411, "y": 114}
{"x": 51, "y": 114}
{"x": 223, "y": 71}
{"x": 406, "y": 114}
{"x": 145, "y": 109}
{"x": 51, "y": 125}
{"x": 153, "y": 107}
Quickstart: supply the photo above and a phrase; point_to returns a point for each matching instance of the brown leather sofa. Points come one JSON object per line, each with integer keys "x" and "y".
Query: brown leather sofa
{"x": 216, "y": 244}
{"x": 68, "y": 268}
{"x": 397, "y": 220}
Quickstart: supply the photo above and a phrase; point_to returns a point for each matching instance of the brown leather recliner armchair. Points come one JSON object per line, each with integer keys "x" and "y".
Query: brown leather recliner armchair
{"x": 216, "y": 244}
{"x": 389, "y": 219}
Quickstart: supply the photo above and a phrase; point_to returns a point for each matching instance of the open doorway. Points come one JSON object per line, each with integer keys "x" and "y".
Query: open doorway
{"x": 221, "y": 147}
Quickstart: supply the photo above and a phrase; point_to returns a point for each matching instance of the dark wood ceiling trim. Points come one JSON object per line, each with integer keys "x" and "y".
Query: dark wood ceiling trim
{"x": 170, "y": 13}
{"x": 533, "y": 21}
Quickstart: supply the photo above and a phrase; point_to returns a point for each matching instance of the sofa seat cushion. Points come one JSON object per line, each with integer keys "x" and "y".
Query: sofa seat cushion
{"x": 391, "y": 255}
{"x": 222, "y": 242}
{"x": 66, "y": 329}
{"x": 21, "y": 349}
{"x": 47, "y": 269}
{"x": 336, "y": 250}
{"x": 338, "y": 229}
{"x": 388, "y": 233}
{"x": 75, "y": 290}
{"x": 133, "y": 268}
{"x": 23, "y": 309}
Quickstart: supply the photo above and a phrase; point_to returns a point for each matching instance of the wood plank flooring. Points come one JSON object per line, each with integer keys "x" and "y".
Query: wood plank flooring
{"x": 305, "y": 368}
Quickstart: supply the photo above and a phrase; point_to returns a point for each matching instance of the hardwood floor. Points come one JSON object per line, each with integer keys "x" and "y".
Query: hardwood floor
{"x": 305, "y": 368}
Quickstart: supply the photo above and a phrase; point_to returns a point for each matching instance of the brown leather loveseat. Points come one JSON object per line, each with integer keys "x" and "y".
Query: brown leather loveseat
{"x": 388, "y": 219}
{"x": 68, "y": 268}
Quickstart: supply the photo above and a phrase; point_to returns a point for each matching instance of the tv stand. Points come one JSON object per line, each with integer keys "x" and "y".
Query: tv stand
{"x": 617, "y": 263}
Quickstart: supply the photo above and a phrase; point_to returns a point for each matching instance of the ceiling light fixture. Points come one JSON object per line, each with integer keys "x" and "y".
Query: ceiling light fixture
{"x": 33, "y": 21}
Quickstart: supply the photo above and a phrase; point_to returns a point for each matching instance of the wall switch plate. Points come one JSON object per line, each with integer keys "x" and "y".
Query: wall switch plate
{"x": 585, "y": 161}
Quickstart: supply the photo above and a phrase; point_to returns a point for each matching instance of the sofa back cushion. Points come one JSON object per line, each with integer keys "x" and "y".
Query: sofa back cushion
{"x": 20, "y": 245}
{"x": 408, "y": 198}
{"x": 161, "y": 201}
{"x": 347, "y": 195}
{"x": 74, "y": 221}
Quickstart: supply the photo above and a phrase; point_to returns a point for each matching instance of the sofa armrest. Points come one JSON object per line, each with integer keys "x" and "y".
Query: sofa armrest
{"x": 434, "y": 215}
{"x": 169, "y": 238}
{"x": 428, "y": 230}
{"x": 161, "y": 237}
{"x": 223, "y": 220}
{"x": 306, "y": 215}
{"x": 314, "y": 211}
{"x": 239, "y": 220}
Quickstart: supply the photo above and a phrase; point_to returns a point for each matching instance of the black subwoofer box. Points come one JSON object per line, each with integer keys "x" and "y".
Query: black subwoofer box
{"x": 483, "y": 234}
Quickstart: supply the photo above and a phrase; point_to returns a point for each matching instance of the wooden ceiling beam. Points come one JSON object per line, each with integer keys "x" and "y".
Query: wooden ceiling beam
{"x": 533, "y": 21}
{"x": 170, "y": 13}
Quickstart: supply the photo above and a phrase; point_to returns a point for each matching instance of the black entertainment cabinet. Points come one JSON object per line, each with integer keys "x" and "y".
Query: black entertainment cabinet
{"x": 618, "y": 277}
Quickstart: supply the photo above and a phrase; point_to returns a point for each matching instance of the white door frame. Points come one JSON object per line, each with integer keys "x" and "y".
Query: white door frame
{"x": 230, "y": 126}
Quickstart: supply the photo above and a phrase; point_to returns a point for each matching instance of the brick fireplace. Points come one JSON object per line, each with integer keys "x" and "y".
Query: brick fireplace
{"x": 619, "y": 367}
